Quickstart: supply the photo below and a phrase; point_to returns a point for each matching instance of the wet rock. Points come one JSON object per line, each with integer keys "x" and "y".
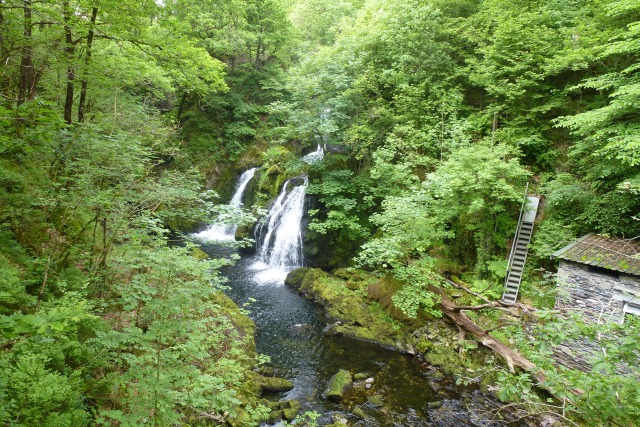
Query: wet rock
{"x": 360, "y": 376}
{"x": 435, "y": 375}
{"x": 434, "y": 405}
{"x": 369, "y": 380}
{"x": 274, "y": 384}
{"x": 358, "y": 412}
{"x": 295, "y": 278}
{"x": 435, "y": 386}
{"x": 375, "y": 400}
{"x": 338, "y": 385}
{"x": 301, "y": 328}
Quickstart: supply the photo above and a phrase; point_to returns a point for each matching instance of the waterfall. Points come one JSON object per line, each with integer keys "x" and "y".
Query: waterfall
{"x": 314, "y": 156}
{"x": 279, "y": 234}
{"x": 227, "y": 231}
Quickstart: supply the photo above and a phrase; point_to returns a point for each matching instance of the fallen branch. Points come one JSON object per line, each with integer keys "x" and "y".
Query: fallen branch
{"x": 467, "y": 290}
{"x": 489, "y": 304}
{"x": 510, "y": 356}
{"x": 513, "y": 358}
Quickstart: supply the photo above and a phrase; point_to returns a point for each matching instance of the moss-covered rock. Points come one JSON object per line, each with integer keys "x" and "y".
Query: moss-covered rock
{"x": 360, "y": 376}
{"x": 359, "y": 317}
{"x": 243, "y": 323}
{"x": 199, "y": 254}
{"x": 274, "y": 384}
{"x": 282, "y": 410}
{"x": 338, "y": 385}
{"x": 294, "y": 278}
{"x": 292, "y": 411}
{"x": 358, "y": 412}
{"x": 263, "y": 384}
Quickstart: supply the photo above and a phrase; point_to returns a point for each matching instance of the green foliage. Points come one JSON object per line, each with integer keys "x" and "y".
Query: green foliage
{"x": 414, "y": 296}
{"x": 46, "y": 371}
{"x": 607, "y": 390}
{"x": 612, "y": 128}
{"x": 176, "y": 348}
{"x": 346, "y": 203}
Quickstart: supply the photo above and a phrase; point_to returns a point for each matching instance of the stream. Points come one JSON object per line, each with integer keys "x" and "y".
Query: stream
{"x": 290, "y": 330}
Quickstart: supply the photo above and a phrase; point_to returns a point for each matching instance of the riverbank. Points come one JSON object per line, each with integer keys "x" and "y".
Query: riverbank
{"x": 360, "y": 305}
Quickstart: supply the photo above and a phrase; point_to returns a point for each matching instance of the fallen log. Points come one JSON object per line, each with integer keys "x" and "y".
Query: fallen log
{"x": 510, "y": 356}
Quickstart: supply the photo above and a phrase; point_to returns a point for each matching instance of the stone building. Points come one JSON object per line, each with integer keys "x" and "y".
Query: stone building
{"x": 600, "y": 276}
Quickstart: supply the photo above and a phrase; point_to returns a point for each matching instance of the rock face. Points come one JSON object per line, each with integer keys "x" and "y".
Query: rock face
{"x": 338, "y": 385}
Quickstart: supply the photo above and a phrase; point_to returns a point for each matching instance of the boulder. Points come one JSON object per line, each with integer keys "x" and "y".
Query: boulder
{"x": 294, "y": 278}
{"x": 274, "y": 384}
{"x": 338, "y": 385}
{"x": 358, "y": 412}
{"x": 375, "y": 400}
{"x": 360, "y": 376}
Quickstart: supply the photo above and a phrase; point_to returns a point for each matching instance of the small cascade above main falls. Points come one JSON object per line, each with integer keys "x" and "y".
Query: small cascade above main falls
{"x": 227, "y": 231}
{"x": 279, "y": 234}
{"x": 314, "y": 156}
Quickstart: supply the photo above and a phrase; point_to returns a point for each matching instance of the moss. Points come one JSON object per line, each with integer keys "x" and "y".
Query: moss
{"x": 199, "y": 254}
{"x": 272, "y": 384}
{"x": 292, "y": 411}
{"x": 436, "y": 359}
{"x": 375, "y": 400}
{"x": 244, "y": 325}
{"x": 358, "y": 412}
{"x": 359, "y": 317}
{"x": 338, "y": 385}
{"x": 294, "y": 278}
{"x": 360, "y": 376}
{"x": 423, "y": 346}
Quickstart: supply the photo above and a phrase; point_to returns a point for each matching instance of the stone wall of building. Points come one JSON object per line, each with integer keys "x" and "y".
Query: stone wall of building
{"x": 600, "y": 297}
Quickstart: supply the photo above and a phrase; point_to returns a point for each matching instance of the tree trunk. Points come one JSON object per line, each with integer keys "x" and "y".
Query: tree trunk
{"x": 83, "y": 88}
{"x": 511, "y": 356}
{"x": 183, "y": 101}
{"x": 27, "y": 89}
{"x": 69, "y": 53}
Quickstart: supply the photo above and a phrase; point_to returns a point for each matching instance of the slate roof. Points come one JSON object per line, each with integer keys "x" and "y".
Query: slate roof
{"x": 605, "y": 252}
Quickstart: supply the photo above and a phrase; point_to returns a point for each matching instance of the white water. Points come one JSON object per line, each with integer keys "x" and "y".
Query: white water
{"x": 314, "y": 156}
{"x": 279, "y": 236}
{"x": 228, "y": 231}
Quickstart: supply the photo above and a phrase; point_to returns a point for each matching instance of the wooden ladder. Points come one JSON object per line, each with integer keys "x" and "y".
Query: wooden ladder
{"x": 520, "y": 249}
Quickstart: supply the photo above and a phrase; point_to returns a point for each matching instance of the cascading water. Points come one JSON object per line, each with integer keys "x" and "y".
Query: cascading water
{"x": 314, "y": 156}
{"x": 279, "y": 235}
{"x": 227, "y": 231}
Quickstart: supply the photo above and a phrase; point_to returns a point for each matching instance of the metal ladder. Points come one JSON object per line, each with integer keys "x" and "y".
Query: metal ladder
{"x": 520, "y": 248}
